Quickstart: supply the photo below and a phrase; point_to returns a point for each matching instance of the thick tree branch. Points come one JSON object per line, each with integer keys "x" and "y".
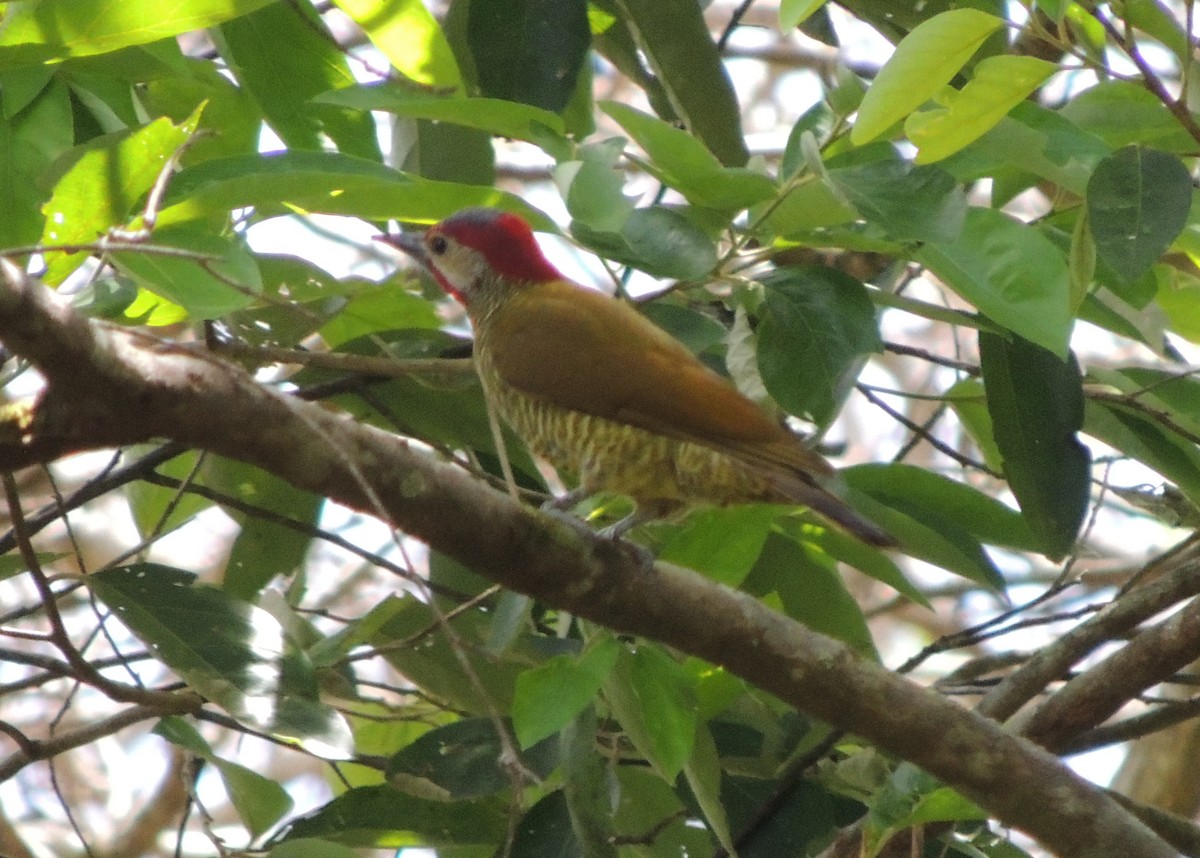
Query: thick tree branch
{"x": 1097, "y": 693}
{"x": 110, "y": 387}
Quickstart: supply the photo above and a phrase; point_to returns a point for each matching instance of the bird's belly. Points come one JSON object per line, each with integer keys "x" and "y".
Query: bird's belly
{"x": 610, "y": 456}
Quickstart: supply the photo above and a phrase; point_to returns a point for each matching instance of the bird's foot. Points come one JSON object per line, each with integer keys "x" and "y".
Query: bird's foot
{"x": 565, "y": 501}
{"x": 613, "y": 533}
{"x": 616, "y": 533}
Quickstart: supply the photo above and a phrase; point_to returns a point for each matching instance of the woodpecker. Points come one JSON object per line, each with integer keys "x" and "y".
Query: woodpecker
{"x": 605, "y": 395}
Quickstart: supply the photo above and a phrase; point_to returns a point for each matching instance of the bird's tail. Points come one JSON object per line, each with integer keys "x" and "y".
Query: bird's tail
{"x": 829, "y": 505}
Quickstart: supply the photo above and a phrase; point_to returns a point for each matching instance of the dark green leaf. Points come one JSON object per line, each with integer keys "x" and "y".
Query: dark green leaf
{"x": 1141, "y": 438}
{"x": 545, "y": 831}
{"x": 984, "y": 517}
{"x": 326, "y": 182}
{"x": 811, "y": 590}
{"x": 283, "y": 56}
{"x": 529, "y": 51}
{"x": 658, "y": 240}
{"x": 308, "y": 847}
{"x": 34, "y": 131}
{"x": 264, "y": 548}
{"x": 493, "y": 115}
{"x": 1036, "y": 403}
{"x": 231, "y": 652}
{"x": 587, "y": 787}
{"x": 1015, "y": 276}
{"x": 925, "y": 535}
{"x": 465, "y": 760}
{"x": 1137, "y": 202}
{"x": 695, "y": 329}
{"x": 383, "y": 816}
{"x": 259, "y": 801}
{"x": 908, "y": 203}
{"x": 1123, "y": 112}
{"x": 675, "y": 39}
{"x": 816, "y": 327}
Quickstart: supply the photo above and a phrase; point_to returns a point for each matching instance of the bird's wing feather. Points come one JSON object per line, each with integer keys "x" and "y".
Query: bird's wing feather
{"x": 619, "y": 365}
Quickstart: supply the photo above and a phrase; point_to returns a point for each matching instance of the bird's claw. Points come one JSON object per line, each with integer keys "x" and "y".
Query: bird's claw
{"x": 613, "y": 534}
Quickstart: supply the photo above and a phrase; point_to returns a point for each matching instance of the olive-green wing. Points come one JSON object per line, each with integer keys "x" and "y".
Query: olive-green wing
{"x": 585, "y": 351}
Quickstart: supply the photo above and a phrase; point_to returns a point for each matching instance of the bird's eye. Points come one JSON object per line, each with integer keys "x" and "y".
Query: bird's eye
{"x": 438, "y": 245}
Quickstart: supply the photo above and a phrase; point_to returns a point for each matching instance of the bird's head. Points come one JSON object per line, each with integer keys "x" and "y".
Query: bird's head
{"x": 476, "y": 251}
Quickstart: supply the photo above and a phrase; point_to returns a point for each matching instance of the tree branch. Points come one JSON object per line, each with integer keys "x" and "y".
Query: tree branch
{"x": 111, "y": 387}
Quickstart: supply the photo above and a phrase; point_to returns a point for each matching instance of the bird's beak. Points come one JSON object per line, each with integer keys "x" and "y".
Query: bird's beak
{"x": 409, "y": 242}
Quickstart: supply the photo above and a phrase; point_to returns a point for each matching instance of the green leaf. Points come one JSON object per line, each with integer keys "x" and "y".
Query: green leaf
{"x": 682, "y": 161}
{"x": 926, "y": 59}
{"x": 999, "y": 84}
{"x": 406, "y": 32}
{"x": 674, "y": 39}
{"x": 793, "y": 13}
{"x": 388, "y": 307}
{"x": 595, "y": 194}
{"x": 980, "y": 515}
{"x": 810, "y": 205}
{"x": 1032, "y": 141}
{"x": 264, "y": 548}
{"x": 658, "y": 240}
{"x": 231, "y": 122}
{"x": 220, "y": 276}
{"x": 926, "y": 536}
{"x": 309, "y": 847}
{"x": 1123, "y": 113}
{"x": 969, "y": 401}
{"x": 909, "y": 203}
{"x": 464, "y": 760}
{"x": 703, "y": 773}
{"x": 695, "y": 329}
{"x": 259, "y": 801}
{"x": 1036, "y": 403}
{"x": 1137, "y": 203}
{"x": 283, "y": 56}
{"x": 102, "y": 187}
{"x": 550, "y": 695}
{"x": 1015, "y": 276}
{"x": 528, "y": 51}
{"x": 721, "y": 543}
{"x": 816, "y": 326}
{"x": 587, "y": 787}
{"x": 157, "y": 509}
{"x": 654, "y": 700}
{"x": 546, "y": 829}
{"x": 233, "y": 653}
{"x": 385, "y": 817}
{"x": 326, "y": 182}
{"x": 811, "y": 590}
{"x": 1131, "y": 432}
{"x": 33, "y": 134}
{"x": 36, "y": 32}
{"x": 493, "y": 115}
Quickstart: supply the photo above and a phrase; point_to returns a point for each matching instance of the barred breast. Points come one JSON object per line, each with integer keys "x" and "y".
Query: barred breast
{"x": 657, "y": 472}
